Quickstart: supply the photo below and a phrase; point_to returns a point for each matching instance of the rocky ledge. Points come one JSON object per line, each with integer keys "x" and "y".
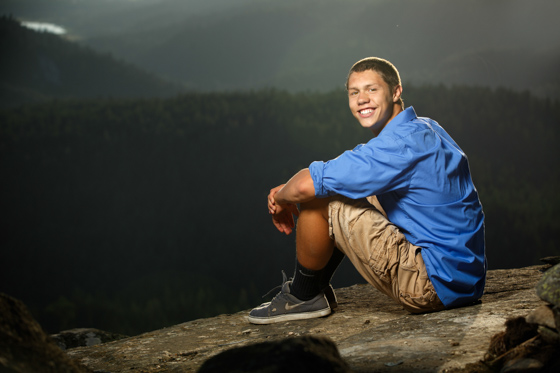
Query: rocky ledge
{"x": 370, "y": 332}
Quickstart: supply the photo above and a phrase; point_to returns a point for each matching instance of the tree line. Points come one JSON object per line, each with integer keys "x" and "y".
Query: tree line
{"x": 133, "y": 214}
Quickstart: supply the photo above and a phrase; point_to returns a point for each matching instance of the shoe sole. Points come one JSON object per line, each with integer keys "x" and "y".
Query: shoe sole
{"x": 289, "y": 317}
{"x": 331, "y": 297}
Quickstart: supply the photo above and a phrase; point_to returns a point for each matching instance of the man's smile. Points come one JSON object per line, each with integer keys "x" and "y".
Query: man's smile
{"x": 365, "y": 112}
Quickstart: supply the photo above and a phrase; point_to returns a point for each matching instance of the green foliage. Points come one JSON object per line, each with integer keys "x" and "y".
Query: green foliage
{"x": 130, "y": 215}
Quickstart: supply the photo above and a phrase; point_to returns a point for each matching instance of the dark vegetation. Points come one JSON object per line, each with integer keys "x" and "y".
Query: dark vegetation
{"x": 129, "y": 215}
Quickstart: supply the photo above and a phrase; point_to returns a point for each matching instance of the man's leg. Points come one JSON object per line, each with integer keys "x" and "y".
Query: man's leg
{"x": 382, "y": 254}
{"x": 317, "y": 259}
{"x": 313, "y": 244}
{"x": 303, "y": 298}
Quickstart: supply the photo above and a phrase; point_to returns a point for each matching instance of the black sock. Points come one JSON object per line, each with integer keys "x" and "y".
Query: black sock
{"x": 328, "y": 272}
{"x": 305, "y": 284}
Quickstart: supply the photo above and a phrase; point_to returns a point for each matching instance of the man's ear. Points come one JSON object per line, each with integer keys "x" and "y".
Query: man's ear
{"x": 397, "y": 93}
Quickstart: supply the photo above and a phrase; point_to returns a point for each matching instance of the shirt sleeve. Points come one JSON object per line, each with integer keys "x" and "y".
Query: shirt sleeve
{"x": 377, "y": 167}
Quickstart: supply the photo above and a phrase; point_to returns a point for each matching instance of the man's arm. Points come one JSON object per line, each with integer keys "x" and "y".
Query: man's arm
{"x": 298, "y": 189}
{"x": 282, "y": 200}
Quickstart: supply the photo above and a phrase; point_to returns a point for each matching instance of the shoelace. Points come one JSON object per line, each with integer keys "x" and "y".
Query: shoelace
{"x": 284, "y": 279}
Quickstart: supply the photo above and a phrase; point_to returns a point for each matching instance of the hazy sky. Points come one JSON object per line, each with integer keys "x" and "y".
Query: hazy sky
{"x": 500, "y": 42}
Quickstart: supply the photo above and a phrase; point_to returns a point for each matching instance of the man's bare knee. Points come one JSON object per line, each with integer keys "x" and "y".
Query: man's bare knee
{"x": 317, "y": 205}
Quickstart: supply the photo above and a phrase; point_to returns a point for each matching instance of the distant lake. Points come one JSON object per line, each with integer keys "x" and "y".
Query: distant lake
{"x": 45, "y": 27}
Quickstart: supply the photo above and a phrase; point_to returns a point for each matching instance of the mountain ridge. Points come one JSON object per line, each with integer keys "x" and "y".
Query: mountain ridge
{"x": 39, "y": 66}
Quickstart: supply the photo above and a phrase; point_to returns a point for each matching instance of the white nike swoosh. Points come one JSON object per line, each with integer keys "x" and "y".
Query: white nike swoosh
{"x": 289, "y": 308}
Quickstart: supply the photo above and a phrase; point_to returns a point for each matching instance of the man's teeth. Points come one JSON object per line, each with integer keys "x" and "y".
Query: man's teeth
{"x": 366, "y": 111}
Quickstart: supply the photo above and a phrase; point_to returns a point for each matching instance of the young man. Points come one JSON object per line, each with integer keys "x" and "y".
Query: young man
{"x": 402, "y": 207}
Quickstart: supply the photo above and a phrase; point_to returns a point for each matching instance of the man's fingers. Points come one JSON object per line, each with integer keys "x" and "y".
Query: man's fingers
{"x": 294, "y": 210}
{"x": 283, "y": 223}
{"x": 283, "y": 229}
{"x": 271, "y": 206}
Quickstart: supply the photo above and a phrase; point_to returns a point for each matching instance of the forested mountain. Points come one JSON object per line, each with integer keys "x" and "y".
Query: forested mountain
{"x": 37, "y": 66}
{"x": 128, "y": 215}
{"x": 309, "y": 44}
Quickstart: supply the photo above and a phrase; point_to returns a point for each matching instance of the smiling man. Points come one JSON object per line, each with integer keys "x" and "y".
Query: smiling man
{"x": 402, "y": 208}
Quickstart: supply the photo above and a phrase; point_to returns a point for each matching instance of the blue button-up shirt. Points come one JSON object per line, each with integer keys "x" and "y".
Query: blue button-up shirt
{"x": 421, "y": 178}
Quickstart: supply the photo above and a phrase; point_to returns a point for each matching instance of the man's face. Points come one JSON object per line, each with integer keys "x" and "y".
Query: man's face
{"x": 371, "y": 101}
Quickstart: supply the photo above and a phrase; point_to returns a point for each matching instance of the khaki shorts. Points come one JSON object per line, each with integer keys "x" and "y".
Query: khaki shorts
{"x": 381, "y": 253}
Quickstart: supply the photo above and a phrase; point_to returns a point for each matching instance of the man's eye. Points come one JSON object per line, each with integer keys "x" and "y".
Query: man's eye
{"x": 373, "y": 89}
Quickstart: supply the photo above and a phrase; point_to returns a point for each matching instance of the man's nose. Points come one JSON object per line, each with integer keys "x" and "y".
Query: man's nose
{"x": 362, "y": 98}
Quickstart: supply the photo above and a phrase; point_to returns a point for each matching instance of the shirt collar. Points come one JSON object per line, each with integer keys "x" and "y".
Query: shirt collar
{"x": 405, "y": 116}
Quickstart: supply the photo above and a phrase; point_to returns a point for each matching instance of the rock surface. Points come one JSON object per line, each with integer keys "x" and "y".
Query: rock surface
{"x": 25, "y": 347}
{"x": 371, "y": 332}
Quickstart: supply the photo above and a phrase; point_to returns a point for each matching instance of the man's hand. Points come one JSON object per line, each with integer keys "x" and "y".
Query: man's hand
{"x": 283, "y": 200}
{"x": 282, "y": 215}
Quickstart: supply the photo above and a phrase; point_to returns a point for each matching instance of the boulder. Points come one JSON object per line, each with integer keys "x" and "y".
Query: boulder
{"x": 296, "y": 355}
{"x": 84, "y": 337}
{"x": 25, "y": 347}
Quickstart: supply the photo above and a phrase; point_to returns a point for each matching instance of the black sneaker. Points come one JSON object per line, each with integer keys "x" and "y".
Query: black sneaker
{"x": 285, "y": 307}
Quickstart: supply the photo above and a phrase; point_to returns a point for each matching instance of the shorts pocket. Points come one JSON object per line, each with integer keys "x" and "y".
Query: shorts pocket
{"x": 416, "y": 292}
{"x": 384, "y": 256}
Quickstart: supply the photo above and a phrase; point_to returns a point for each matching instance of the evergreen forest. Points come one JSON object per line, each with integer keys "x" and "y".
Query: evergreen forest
{"x": 129, "y": 215}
